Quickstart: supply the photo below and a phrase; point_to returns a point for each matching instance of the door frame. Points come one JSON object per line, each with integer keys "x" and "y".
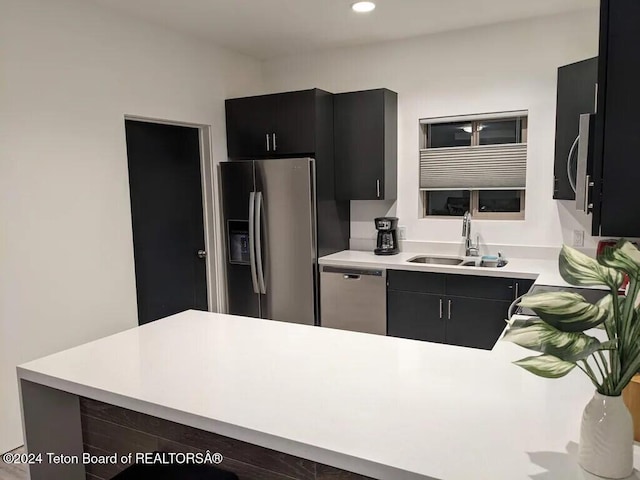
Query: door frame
{"x": 209, "y": 207}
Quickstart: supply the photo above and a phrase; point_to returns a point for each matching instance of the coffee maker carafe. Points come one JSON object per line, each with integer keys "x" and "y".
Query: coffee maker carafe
{"x": 387, "y": 242}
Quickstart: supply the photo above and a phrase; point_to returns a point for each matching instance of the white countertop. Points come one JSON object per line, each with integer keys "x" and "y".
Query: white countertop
{"x": 385, "y": 407}
{"x": 544, "y": 271}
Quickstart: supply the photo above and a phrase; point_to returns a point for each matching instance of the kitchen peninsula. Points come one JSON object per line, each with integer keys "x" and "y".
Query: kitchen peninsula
{"x": 380, "y": 407}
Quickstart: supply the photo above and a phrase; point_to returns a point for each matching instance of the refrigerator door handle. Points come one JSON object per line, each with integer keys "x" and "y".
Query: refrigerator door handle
{"x": 252, "y": 245}
{"x": 258, "y": 229}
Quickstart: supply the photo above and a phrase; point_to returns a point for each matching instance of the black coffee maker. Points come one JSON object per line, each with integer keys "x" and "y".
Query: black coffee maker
{"x": 387, "y": 243}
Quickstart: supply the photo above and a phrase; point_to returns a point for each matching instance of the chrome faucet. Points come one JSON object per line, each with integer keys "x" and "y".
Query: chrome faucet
{"x": 470, "y": 250}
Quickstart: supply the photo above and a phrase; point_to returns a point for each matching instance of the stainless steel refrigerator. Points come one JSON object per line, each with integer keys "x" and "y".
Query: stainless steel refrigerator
{"x": 269, "y": 212}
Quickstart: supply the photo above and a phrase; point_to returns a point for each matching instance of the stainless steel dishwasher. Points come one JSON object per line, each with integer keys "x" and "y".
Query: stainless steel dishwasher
{"x": 353, "y": 299}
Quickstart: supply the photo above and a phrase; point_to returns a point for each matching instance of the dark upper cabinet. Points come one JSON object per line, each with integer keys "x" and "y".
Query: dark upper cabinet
{"x": 294, "y": 123}
{"x": 366, "y": 145}
{"x": 616, "y": 165}
{"x": 276, "y": 125}
{"x": 576, "y": 94}
{"x": 249, "y": 125}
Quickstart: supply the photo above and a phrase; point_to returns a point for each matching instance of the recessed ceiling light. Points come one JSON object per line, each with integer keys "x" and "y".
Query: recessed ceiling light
{"x": 363, "y": 7}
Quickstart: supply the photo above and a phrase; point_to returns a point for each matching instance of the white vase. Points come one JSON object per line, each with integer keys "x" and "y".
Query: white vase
{"x": 606, "y": 438}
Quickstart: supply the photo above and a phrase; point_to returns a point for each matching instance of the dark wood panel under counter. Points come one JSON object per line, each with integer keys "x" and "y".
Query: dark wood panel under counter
{"x": 109, "y": 429}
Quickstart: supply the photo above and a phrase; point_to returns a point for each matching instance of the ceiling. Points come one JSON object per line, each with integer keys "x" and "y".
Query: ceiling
{"x": 271, "y": 28}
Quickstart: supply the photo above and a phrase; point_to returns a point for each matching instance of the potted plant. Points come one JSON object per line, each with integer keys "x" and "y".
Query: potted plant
{"x": 558, "y": 334}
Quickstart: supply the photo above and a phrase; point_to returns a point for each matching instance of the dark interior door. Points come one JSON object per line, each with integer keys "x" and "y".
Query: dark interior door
{"x": 167, "y": 218}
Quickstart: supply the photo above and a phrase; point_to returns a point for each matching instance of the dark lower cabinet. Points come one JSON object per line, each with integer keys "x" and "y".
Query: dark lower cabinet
{"x": 415, "y": 315}
{"x": 419, "y": 282}
{"x": 521, "y": 286}
{"x": 464, "y": 310}
{"x": 477, "y": 286}
{"x": 475, "y": 322}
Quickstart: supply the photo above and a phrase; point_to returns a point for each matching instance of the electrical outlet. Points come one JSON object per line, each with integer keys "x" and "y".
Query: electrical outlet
{"x": 578, "y": 238}
{"x": 402, "y": 232}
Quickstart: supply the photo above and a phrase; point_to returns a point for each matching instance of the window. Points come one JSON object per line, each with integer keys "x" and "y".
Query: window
{"x": 474, "y": 163}
{"x": 449, "y": 202}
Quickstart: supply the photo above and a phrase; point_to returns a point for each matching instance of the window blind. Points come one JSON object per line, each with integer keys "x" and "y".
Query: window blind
{"x": 483, "y": 167}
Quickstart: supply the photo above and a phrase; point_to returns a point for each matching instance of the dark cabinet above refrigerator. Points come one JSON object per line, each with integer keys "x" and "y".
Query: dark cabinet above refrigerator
{"x": 276, "y": 125}
{"x": 576, "y": 95}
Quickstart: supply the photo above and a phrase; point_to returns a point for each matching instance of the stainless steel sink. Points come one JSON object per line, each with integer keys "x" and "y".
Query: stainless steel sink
{"x": 436, "y": 260}
{"x": 481, "y": 264}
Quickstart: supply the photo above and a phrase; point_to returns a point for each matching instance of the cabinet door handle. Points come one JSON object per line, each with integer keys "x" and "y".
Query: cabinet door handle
{"x": 449, "y": 308}
{"x": 267, "y": 135}
{"x": 574, "y": 145}
{"x": 378, "y": 187}
{"x": 274, "y": 142}
{"x": 440, "y": 308}
{"x": 587, "y": 205}
{"x": 517, "y": 292}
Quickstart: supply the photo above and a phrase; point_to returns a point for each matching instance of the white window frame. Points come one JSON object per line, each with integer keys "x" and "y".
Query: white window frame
{"x": 474, "y": 198}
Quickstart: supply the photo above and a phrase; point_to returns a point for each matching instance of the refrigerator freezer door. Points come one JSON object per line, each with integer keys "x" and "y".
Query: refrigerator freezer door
{"x": 287, "y": 243}
{"x": 237, "y": 181}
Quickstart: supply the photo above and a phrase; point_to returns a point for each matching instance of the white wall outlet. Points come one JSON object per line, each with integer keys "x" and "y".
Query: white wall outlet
{"x": 402, "y": 232}
{"x": 578, "y": 238}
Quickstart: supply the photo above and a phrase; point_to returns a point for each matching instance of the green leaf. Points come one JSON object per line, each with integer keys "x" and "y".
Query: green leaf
{"x": 623, "y": 256}
{"x": 568, "y": 312}
{"x": 546, "y": 366}
{"x": 606, "y": 303}
{"x": 542, "y": 337}
{"x": 577, "y": 268}
{"x": 609, "y": 345}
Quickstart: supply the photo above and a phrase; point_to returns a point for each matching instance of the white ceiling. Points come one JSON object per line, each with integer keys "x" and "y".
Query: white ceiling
{"x": 270, "y": 28}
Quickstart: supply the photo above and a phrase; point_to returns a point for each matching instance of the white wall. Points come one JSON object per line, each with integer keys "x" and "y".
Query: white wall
{"x": 69, "y": 72}
{"x": 510, "y": 66}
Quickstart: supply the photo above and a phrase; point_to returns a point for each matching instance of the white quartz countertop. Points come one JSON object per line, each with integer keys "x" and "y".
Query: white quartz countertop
{"x": 384, "y": 407}
{"x": 544, "y": 271}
